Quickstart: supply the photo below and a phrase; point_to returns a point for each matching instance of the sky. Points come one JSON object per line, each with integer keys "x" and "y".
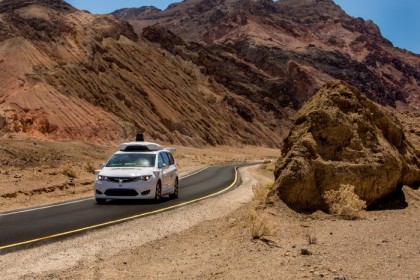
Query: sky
{"x": 399, "y": 20}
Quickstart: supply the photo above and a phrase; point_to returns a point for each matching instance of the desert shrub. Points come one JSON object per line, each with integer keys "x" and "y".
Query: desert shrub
{"x": 261, "y": 191}
{"x": 312, "y": 239}
{"x": 69, "y": 172}
{"x": 344, "y": 202}
{"x": 269, "y": 167}
{"x": 260, "y": 226}
{"x": 90, "y": 168}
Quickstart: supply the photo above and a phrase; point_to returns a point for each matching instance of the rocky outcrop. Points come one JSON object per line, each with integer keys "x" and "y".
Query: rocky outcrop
{"x": 341, "y": 137}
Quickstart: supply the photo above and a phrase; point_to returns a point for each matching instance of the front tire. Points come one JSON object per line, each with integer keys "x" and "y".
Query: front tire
{"x": 176, "y": 190}
{"x": 158, "y": 192}
{"x": 100, "y": 200}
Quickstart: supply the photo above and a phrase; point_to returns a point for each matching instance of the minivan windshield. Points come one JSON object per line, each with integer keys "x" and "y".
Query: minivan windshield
{"x": 132, "y": 160}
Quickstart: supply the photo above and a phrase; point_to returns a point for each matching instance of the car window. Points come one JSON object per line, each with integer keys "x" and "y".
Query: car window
{"x": 171, "y": 159}
{"x": 165, "y": 159}
{"x": 160, "y": 160}
{"x": 131, "y": 160}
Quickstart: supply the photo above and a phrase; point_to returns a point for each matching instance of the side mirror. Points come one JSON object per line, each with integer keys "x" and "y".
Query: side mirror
{"x": 161, "y": 165}
{"x": 102, "y": 165}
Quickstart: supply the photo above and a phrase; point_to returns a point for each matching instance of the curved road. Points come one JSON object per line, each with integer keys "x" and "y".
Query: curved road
{"x": 28, "y": 227}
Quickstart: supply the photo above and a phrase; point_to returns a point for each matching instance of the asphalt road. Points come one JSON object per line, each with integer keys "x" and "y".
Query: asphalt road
{"x": 29, "y": 227}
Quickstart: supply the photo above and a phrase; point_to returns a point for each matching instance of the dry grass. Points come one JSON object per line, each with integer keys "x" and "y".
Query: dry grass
{"x": 261, "y": 191}
{"x": 268, "y": 166}
{"x": 312, "y": 239}
{"x": 344, "y": 202}
{"x": 69, "y": 172}
{"x": 90, "y": 168}
{"x": 260, "y": 225}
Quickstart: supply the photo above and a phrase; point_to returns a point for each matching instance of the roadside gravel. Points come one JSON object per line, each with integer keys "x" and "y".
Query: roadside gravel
{"x": 84, "y": 250}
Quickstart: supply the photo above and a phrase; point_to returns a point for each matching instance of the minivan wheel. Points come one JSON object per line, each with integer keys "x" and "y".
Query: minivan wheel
{"x": 158, "y": 193}
{"x": 174, "y": 195}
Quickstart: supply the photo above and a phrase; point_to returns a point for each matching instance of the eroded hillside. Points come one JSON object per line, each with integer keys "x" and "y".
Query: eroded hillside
{"x": 67, "y": 74}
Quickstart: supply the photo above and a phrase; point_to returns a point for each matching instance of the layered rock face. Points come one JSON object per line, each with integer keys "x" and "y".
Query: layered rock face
{"x": 341, "y": 137}
{"x": 68, "y": 74}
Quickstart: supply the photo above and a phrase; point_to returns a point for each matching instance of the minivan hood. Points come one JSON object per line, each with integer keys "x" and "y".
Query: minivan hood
{"x": 125, "y": 171}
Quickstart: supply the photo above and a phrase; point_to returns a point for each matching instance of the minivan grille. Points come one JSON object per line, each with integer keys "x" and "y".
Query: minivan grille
{"x": 121, "y": 192}
{"x": 123, "y": 179}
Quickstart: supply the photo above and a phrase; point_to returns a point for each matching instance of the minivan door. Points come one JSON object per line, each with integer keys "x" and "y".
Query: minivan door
{"x": 166, "y": 180}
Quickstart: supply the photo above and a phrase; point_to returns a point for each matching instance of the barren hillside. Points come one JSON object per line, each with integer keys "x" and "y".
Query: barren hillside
{"x": 210, "y": 72}
{"x": 67, "y": 74}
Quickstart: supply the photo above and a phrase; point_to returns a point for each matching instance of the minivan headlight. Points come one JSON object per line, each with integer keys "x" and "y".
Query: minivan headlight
{"x": 102, "y": 178}
{"x": 144, "y": 178}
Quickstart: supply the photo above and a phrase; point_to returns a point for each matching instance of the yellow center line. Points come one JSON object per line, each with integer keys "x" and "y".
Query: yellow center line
{"x": 123, "y": 219}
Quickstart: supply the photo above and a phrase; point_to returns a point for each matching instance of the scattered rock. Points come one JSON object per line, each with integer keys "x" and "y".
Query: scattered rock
{"x": 86, "y": 182}
{"x": 10, "y": 195}
{"x": 71, "y": 183}
{"x": 305, "y": 251}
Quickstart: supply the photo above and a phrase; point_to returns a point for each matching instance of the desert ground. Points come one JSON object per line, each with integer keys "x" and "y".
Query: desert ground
{"x": 233, "y": 236}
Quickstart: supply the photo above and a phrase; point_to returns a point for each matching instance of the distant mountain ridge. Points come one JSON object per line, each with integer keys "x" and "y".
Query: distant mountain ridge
{"x": 133, "y": 13}
{"x": 312, "y": 33}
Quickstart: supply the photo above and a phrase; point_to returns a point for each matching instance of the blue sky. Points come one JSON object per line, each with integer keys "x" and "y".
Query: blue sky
{"x": 399, "y": 20}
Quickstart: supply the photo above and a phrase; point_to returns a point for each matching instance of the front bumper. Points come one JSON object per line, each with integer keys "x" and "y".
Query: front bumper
{"x": 130, "y": 190}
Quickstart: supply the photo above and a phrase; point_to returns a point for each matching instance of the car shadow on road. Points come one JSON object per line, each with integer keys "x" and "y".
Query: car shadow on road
{"x": 137, "y": 201}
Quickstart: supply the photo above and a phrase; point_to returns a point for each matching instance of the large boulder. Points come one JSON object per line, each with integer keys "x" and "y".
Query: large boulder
{"x": 341, "y": 137}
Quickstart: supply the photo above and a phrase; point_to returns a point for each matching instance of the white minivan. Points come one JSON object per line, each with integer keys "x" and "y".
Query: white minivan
{"x": 139, "y": 170}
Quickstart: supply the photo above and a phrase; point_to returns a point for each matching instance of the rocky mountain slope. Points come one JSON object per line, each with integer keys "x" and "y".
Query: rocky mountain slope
{"x": 283, "y": 51}
{"x": 207, "y": 72}
{"x": 67, "y": 74}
